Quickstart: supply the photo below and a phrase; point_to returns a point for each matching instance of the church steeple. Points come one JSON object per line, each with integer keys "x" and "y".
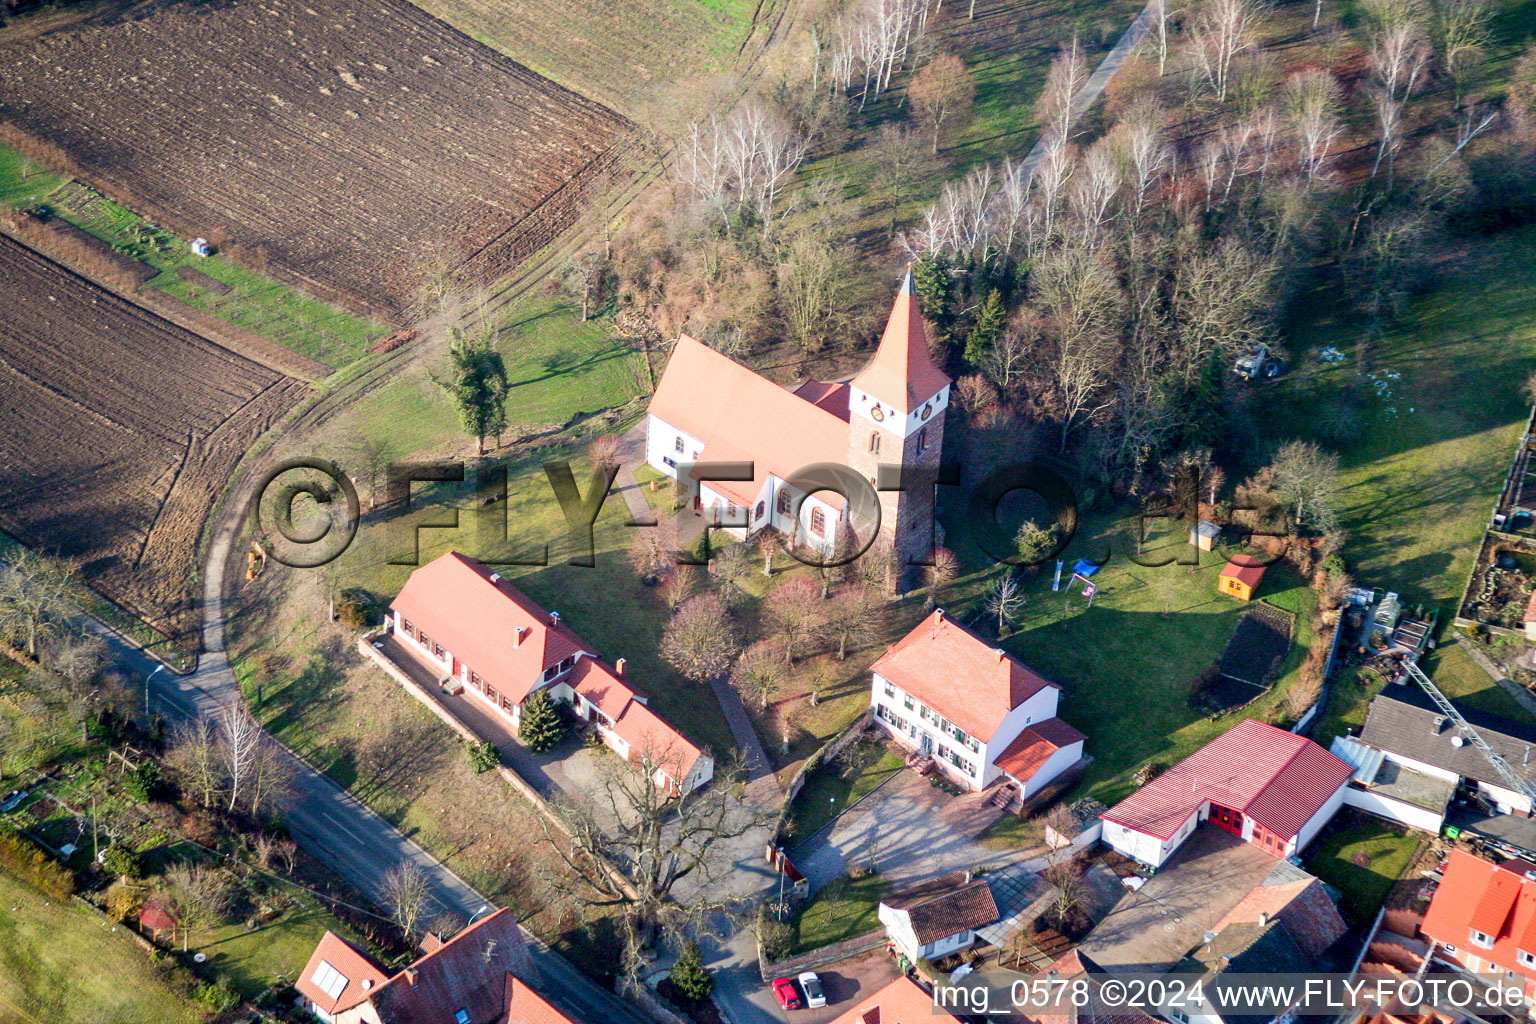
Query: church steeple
{"x": 902, "y": 375}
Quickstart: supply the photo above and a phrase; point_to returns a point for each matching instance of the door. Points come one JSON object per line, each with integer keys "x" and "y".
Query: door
{"x": 1227, "y": 819}
{"x": 927, "y": 746}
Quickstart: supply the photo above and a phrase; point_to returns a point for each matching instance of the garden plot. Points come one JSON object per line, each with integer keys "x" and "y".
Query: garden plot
{"x": 1252, "y": 658}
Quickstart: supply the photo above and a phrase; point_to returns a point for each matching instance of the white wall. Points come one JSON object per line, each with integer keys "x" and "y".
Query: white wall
{"x": 660, "y": 444}
{"x": 1393, "y": 810}
{"x": 901, "y": 426}
{"x": 1054, "y": 765}
{"x": 1318, "y": 820}
{"x": 1036, "y": 709}
{"x": 1419, "y": 766}
{"x": 1508, "y": 801}
{"x": 1145, "y": 848}
{"x": 930, "y": 729}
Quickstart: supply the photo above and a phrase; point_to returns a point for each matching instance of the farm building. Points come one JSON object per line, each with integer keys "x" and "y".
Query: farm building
{"x": 710, "y": 408}
{"x": 482, "y": 633}
{"x": 1483, "y": 918}
{"x": 473, "y": 978}
{"x": 977, "y": 712}
{"x": 938, "y": 917}
{"x": 1269, "y": 787}
{"x": 1240, "y": 579}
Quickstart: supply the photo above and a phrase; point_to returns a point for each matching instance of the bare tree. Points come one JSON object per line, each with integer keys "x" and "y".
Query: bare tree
{"x": 1005, "y": 601}
{"x": 797, "y": 614}
{"x": 1080, "y": 299}
{"x": 1311, "y": 103}
{"x": 942, "y": 94}
{"x": 1065, "y": 79}
{"x": 240, "y": 739}
{"x": 898, "y": 158}
{"x": 654, "y": 551}
{"x": 730, "y": 566}
{"x": 408, "y": 896}
{"x": 35, "y": 604}
{"x": 701, "y": 640}
{"x": 271, "y": 776}
{"x": 812, "y": 290}
{"x": 583, "y": 276}
{"x": 1163, "y": 12}
{"x": 1221, "y": 30}
{"x": 196, "y": 759}
{"x": 758, "y": 673}
{"x": 943, "y": 571}
{"x": 202, "y": 894}
{"x": 1307, "y": 479}
{"x": 1462, "y": 28}
{"x": 856, "y": 617}
{"x": 678, "y": 587}
{"x": 606, "y": 451}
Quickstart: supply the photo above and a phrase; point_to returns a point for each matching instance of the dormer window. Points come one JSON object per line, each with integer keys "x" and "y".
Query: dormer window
{"x": 1481, "y": 939}
{"x": 1525, "y": 959}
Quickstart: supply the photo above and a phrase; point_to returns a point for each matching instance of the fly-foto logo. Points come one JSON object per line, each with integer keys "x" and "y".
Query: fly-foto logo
{"x": 307, "y": 513}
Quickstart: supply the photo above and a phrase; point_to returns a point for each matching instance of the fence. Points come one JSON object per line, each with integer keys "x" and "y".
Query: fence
{"x": 1305, "y": 721}
{"x": 836, "y": 745}
{"x": 823, "y": 956}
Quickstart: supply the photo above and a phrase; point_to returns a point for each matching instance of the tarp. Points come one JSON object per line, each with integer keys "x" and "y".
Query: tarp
{"x": 1085, "y": 568}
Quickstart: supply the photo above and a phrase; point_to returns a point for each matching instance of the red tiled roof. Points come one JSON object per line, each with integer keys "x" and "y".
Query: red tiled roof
{"x": 945, "y": 906}
{"x": 639, "y": 726}
{"x": 455, "y": 602}
{"x": 362, "y": 974}
{"x": 525, "y": 1006}
{"x": 832, "y": 397}
{"x": 742, "y": 416}
{"x": 1275, "y": 777}
{"x": 468, "y": 972}
{"x": 1494, "y": 899}
{"x": 1302, "y": 907}
{"x": 1034, "y": 746}
{"x": 1241, "y": 569}
{"x": 958, "y": 674}
{"x": 156, "y": 919}
{"x": 903, "y": 1001}
{"x": 902, "y": 373}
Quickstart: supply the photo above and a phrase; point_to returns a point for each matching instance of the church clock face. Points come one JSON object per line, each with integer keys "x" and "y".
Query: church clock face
{"x": 878, "y": 414}
{"x": 927, "y": 410}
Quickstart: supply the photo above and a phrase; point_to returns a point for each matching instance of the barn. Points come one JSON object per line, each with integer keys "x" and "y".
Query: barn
{"x": 1269, "y": 787}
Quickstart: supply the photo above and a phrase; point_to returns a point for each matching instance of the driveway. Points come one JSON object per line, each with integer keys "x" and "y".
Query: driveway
{"x": 910, "y": 831}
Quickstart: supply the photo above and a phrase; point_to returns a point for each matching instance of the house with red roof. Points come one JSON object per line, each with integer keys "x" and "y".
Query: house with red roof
{"x": 1483, "y": 918}
{"x": 473, "y": 627}
{"x": 979, "y": 712}
{"x": 710, "y": 408}
{"x": 1269, "y": 787}
{"x": 473, "y": 978}
{"x": 903, "y": 1001}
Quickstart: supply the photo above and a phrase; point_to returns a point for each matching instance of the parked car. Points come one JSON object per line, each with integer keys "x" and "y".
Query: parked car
{"x": 811, "y": 984}
{"x": 788, "y": 995}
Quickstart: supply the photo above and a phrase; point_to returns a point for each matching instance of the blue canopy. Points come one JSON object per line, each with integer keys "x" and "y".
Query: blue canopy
{"x": 1085, "y": 568}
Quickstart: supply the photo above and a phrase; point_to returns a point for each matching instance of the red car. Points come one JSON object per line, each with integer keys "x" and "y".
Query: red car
{"x": 789, "y": 996}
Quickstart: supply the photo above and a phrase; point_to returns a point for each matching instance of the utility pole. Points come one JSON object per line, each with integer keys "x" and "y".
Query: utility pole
{"x": 95, "y": 845}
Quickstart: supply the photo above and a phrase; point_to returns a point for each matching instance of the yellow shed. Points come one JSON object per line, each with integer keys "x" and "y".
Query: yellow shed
{"x": 1240, "y": 580}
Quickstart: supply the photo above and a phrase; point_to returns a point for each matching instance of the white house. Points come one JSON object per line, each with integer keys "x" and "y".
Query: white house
{"x": 1269, "y": 787}
{"x": 938, "y": 917}
{"x": 979, "y": 712}
{"x": 480, "y": 632}
{"x": 708, "y": 408}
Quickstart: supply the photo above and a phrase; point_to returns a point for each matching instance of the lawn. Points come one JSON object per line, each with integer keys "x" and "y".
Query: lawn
{"x": 1464, "y": 681}
{"x": 1148, "y": 634}
{"x": 62, "y": 963}
{"x": 829, "y": 791}
{"x": 1361, "y": 857}
{"x": 260, "y": 304}
{"x": 845, "y": 908}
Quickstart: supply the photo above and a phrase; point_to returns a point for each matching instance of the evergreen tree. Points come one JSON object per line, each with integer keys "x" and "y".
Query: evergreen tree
{"x": 479, "y": 387}
{"x": 934, "y": 284}
{"x": 989, "y": 324}
{"x": 689, "y": 977}
{"x": 541, "y": 726}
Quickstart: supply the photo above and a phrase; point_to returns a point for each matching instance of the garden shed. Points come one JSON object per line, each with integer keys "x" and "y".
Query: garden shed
{"x": 1240, "y": 579}
{"x": 1204, "y": 535}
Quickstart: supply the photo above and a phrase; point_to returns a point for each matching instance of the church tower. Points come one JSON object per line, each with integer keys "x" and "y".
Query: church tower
{"x": 896, "y": 418}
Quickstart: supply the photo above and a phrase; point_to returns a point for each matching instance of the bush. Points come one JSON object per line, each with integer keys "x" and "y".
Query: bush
{"x": 123, "y": 861}
{"x": 28, "y": 862}
{"x": 143, "y": 783}
{"x": 1334, "y": 564}
{"x": 689, "y": 977}
{"x": 217, "y": 996}
{"x": 776, "y": 937}
{"x": 484, "y": 756}
{"x": 355, "y": 609}
{"x": 123, "y": 901}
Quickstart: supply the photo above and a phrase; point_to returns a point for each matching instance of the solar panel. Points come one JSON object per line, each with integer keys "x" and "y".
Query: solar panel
{"x": 329, "y": 980}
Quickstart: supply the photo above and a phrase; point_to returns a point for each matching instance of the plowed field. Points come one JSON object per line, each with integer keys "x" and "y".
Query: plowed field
{"x": 356, "y": 147}
{"x": 118, "y": 430}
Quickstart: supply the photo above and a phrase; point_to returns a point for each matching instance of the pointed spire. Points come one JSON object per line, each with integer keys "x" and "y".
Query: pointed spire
{"x": 902, "y": 375}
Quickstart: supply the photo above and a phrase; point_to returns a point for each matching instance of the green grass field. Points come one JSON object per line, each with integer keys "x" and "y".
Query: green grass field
{"x": 63, "y": 964}
{"x": 844, "y": 909}
{"x": 1361, "y": 857}
{"x": 1125, "y": 665}
{"x": 828, "y": 792}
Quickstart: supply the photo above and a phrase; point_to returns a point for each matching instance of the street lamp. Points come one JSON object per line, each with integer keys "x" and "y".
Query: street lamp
{"x": 157, "y": 671}
{"x": 483, "y": 909}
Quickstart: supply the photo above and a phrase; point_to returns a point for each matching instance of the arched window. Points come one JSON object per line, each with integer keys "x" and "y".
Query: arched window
{"x": 874, "y": 441}
{"x": 818, "y": 522}
{"x": 922, "y": 440}
{"x": 784, "y": 501}
{"x": 762, "y": 507}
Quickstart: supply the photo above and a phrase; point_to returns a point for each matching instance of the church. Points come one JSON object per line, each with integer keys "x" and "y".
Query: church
{"x": 710, "y": 408}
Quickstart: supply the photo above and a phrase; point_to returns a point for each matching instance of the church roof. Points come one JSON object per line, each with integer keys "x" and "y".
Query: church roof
{"x": 902, "y": 374}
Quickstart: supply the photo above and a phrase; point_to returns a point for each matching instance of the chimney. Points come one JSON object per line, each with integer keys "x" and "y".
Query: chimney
{"x": 969, "y": 876}
{"x": 618, "y": 667}
{"x": 1263, "y": 918}
{"x": 554, "y": 618}
{"x": 1001, "y": 654}
{"x": 1436, "y": 724}
{"x": 517, "y": 636}
{"x": 938, "y": 615}
{"x": 495, "y": 577}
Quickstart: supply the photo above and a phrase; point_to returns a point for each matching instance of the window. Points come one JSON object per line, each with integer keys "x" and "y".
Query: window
{"x": 490, "y": 693}
{"x": 783, "y": 501}
{"x": 437, "y": 649}
{"x": 818, "y": 522}
{"x": 890, "y": 691}
{"x": 329, "y": 980}
{"x": 730, "y": 511}
{"x": 405, "y": 624}
{"x": 762, "y": 507}
{"x": 677, "y": 445}
{"x": 908, "y": 702}
{"x": 424, "y": 640}
{"x": 549, "y": 673}
{"x": 460, "y": 1017}
{"x": 506, "y": 703}
{"x": 922, "y": 440}
{"x": 1478, "y": 938}
{"x": 474, "y": 679}
{"x": 874, "y": 441}
{"x": 1526, "y": 959}
{"x": 566, "y": 664}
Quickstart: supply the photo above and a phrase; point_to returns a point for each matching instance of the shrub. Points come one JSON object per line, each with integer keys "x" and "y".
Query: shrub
{"x": 1334, "y": 564}
{"x": 217, "y": 996}
{"x": 484, "y": 756}
{"x": 123, "y": 861}
{"x": 143, "y": 783}
{"x": 775, "y": 936}
{"x": 28, "y": 862}
{"x": 122, "y": 901}
{"x": 689, "y": 977}
{"x": 355, "y": 609}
